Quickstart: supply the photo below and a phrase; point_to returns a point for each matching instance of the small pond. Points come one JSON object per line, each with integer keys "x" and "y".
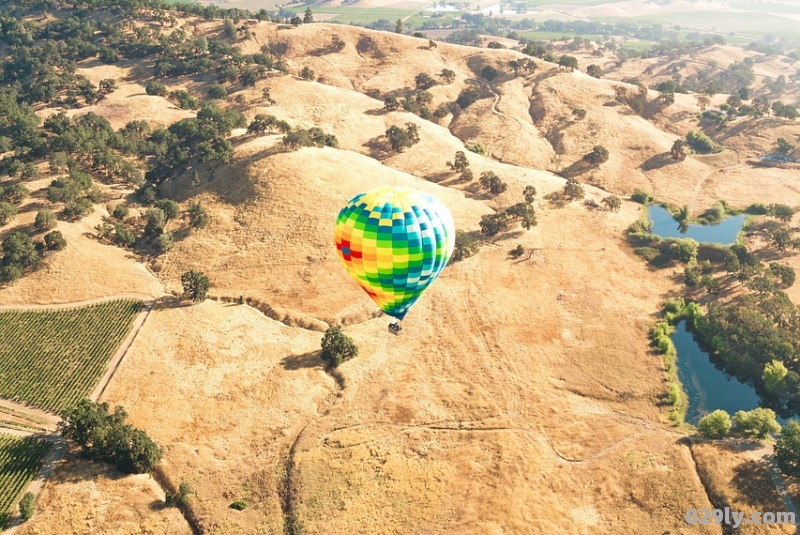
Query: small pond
{"x": 723, "y": 233}
{"x": 708, "y": 387}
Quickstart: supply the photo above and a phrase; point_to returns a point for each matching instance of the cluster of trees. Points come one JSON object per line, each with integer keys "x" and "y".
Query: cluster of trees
{"x": 758, "y": 423}
{"x": 312, "y": 137}
{"x": 522, "y": 212}
{"x": 22, "y": 254}
{"x": 402, "y": 138}
{"x": 105, "y": 436}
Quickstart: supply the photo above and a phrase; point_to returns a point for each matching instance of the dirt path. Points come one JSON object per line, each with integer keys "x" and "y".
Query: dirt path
{"x": 702, "y": 181}
{"x": 116, "y": 360}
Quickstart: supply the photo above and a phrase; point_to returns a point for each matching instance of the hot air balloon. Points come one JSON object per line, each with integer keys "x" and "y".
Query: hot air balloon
{"x": 394, "y": 242}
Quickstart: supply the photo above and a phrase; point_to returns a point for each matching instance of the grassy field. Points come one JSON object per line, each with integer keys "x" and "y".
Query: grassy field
{"x": 20, "y": 459}
{"x": 360, "y": 15}
{"x": 719, "y": 21}
{"x": 58, "y": 356}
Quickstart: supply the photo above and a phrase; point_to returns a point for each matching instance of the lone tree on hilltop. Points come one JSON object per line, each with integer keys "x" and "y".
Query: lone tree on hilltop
{"x": 573, "y": 189}
{"x": 460, "y": 163}
{"x": 594, "y": 71}
{"x": 398, "y": 26}
{"x": 568, "y": 62}
{"x": 195, "y": 285}
{"x": 337, "y": 347}
{"x": 598, "y": 155}
{"x": 678, "y": 150}
{"x": 448, "y": 75}
{"x": 308, "y": 17}
{"x": 391, "y": 104}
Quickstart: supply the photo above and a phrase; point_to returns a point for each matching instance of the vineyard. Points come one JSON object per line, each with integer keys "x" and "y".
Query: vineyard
{"x": 20, "y": 459}
{"x": 52, "y": 359}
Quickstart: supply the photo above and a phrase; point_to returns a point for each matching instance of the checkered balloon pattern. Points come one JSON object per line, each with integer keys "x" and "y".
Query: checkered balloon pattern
{"x": 394, "y": 242}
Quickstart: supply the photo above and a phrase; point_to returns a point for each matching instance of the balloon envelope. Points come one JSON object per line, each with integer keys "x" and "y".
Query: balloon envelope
{"x": 394, "y": 242}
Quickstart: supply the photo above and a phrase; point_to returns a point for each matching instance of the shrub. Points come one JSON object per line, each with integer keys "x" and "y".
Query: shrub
{"x": 424, "y": 81}
{"x": 307, "y": 74}
{"x": 7, "y": 212}
{"x": 468, "y": 96}
{"x": 120, "y": 212}
{"x": 78, "y": 209}
{"x": 146, "y": 195}
{"x": 45, "y": 220}
{"x": 123, "y": 236}
{"x": 715, "y": 425}
{"x": 787, "y": 449}
{"x": 477, "y": 148}
{"x": 598, "y": 155}
{"x": 217, "y": 91}
{"x": 55, "y": 241}
{"x": 573, "y": 189}
{"x": 517, "y": 251}
{"x": 239, "y": 505}
{"x": 164, "y": 242}
{"x": 198, "y": 216}
{"x": 648, "y": 253}
{"x": 700, "y": 143}
{"x": 489, "y": 180}
{"x": 641, "y": 196}
{"x": 26, "y": 506}
{"x": 613, "y": 203}
{"x": 758, "y": 422}
{"x": 464, "y": 247}
{"x": 337, "y": 347}
{"x": 489, "y": 73}
{"x": 156, "y": 89}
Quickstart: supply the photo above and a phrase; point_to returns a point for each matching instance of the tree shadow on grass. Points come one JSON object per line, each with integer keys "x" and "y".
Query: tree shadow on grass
{"x": 578, "y": 168}
{"x": 378, "y": 148}
{"x": 753, "y": 483}
{"x": 306, "y": 360}
{"x": 658, "y": 161}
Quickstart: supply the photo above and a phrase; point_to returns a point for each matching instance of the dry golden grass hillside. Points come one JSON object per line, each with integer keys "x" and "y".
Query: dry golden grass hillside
{"x": 523, "y": 397}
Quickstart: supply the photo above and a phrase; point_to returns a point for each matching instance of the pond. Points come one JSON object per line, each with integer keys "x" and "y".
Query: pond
{"x": 723, "y": 233}
{"x": 708, "y": 387}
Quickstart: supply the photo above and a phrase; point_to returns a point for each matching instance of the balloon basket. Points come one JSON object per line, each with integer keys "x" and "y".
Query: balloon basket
{"x": 395, "y": 328}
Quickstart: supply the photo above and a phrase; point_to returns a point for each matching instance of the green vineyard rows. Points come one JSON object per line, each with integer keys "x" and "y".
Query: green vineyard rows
{"x": 20, "y": 459}
{"x": 52, "y": 359}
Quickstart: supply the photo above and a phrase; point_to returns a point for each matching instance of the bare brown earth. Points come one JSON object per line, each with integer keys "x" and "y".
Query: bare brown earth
{"x": 522, "y": 398}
